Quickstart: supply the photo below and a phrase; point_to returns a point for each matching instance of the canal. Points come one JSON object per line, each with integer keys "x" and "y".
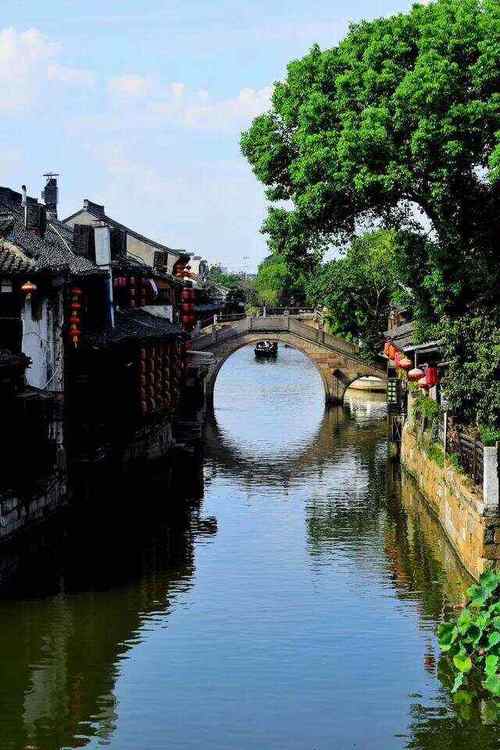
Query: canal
{"x": 289, "y": 602}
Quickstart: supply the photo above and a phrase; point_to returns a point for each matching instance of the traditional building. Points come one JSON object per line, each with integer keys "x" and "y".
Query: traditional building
{"x": 145, "y": 250}
{"x": 92, "y": 352}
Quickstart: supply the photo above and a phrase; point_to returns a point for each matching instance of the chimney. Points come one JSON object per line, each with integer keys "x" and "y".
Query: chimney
{"x": 50, "y": 194}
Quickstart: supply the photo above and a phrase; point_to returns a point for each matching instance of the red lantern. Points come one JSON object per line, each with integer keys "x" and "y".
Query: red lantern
{"x": 415, "y": 374}
{"x": 28, "y": 288}
{"x": 391, "y": 351}
{"x": 405, "y": 363}
{"x": 431, "y": 376}
{"x": 74, "y": 319}
{"x": 76, "y": 291}
{"x": 422, "y": 383}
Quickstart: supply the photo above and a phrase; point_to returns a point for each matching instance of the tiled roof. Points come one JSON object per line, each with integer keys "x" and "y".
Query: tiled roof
{"x": 51, "y": 253}
{"x": 401, "y": 335}
{"x": 96, "y": 210}
{"x": 135, "y": 324}
{"x": 13, "y": 262}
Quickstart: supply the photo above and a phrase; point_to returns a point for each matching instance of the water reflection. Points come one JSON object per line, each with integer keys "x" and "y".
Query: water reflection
{"x": 295, "y": 608}
{"x": 78, "y": 597}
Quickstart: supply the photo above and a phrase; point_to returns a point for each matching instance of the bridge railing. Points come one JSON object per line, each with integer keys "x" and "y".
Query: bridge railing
{"x": 279, "y": 324}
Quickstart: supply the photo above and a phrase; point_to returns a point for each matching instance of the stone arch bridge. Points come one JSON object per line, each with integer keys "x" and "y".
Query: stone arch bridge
{"x": 337, "y": 361}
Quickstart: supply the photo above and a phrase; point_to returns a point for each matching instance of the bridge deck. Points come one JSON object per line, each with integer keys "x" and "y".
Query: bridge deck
{"x": 281, "y": 324}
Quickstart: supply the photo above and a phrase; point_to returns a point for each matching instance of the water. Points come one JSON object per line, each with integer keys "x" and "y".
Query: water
{"x": 293, "y": 608}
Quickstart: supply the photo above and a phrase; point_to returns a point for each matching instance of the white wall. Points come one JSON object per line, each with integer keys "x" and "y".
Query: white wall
{"x": 42, "y": 342}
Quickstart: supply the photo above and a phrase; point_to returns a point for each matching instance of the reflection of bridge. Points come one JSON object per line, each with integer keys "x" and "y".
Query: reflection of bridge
{"x": 324, "y": 447}
{"x": 339, "y": 363}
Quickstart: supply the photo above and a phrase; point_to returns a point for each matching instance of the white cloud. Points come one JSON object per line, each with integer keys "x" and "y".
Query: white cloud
{"x": 28, "y": 63}
{"x": 24, "y": 58}
{"x": 228, "y": 113}
{"x": 195, "y": 109}
{"x": 131, "y": 86}
{"x": 73, "y": 76}
{"x": 199, "y": 110}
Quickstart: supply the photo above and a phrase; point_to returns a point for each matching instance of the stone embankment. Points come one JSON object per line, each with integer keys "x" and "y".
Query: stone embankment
{"x": 471, "y": 524}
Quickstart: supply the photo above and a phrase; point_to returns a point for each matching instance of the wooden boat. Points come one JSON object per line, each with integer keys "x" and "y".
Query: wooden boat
{"x": 266, "y": 349}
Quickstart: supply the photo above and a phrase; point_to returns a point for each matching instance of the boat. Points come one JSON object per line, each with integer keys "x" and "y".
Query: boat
{"x": 266, "y": 349}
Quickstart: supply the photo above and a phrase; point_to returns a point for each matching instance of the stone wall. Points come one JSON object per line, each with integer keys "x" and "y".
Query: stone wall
{"x": 473, "y": 531}
{"x": 19, "y": 512}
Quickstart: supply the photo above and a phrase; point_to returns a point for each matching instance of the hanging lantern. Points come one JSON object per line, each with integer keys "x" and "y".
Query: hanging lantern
{"x": 415, "y": 374}
{"x": 405, "y": 363}
{"x": 431, "y": 377}
{"x": 391, "y": 350}
{"x": 28, "y": 288}
{"x": 74, "y": 319}
{"x": 422, "y": 383}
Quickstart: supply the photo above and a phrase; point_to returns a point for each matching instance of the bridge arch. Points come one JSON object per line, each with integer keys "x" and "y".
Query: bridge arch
{"x": 338, "y": 361}
{"x": 234, "y": 344}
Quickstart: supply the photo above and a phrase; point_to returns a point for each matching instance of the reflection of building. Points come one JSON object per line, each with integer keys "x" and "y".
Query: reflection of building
{"x": 61, "y": 655}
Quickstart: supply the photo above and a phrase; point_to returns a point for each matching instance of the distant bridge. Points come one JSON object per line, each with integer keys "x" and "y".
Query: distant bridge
{"x": 338, "y": 362}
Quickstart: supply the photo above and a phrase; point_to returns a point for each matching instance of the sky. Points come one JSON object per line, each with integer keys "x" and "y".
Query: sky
{"x": 140, "y": 106}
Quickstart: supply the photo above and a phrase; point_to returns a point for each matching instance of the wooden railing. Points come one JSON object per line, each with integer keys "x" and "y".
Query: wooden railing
{"x": 470, "y": 452}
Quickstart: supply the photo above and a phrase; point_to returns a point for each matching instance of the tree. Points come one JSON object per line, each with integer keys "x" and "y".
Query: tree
{"x": 276, "y": 284}
{"x": 241, "y": 286}
{"x": 357, "y": 289}
{"x": 401, "y": 118}
{"x": 398, "y": 124}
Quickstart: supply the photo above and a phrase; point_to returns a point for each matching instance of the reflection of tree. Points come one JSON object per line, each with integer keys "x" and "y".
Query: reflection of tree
{"x": 124, "y": 559}
{"x": 437, "y": 730}
{"x": 337, "y": 432}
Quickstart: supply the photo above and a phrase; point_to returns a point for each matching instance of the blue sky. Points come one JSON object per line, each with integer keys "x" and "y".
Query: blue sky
{"x": 140, "y": 105}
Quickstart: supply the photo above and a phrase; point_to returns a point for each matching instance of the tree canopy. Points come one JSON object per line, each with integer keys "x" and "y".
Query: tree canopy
{"x": 357, "y": 289}
{"x": 401, "y": 118}
{"x": 398, "y": 126}
{"x": 276, "y": 285}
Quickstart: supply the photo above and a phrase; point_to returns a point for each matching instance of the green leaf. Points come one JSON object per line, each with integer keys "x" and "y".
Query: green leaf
{"x": 464, "y": 621}
{"x": 447, "y": 635}
{"x": 463, "y": 662}
{"x": 477, "y": 596}
{"x": 489, "y": 581}
{"x": 490, "y": 665}
{"x": 459, "y": 680}
{"x": 462, "y": 697}
{"x": 492, "y": 684}
{"x": 493, "y": 640}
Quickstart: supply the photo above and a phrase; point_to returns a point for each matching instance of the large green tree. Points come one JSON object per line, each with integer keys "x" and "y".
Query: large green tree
{"x": 399, "y": 121}
{"x": 276, "y": 284}
{"x": 357, "y": 289}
